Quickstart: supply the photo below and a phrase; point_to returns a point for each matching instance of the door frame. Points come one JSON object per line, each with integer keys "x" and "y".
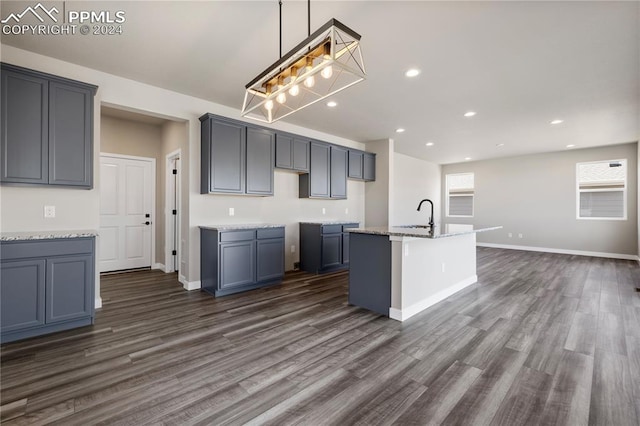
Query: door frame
{"x": 151, "y": 160}
{"x": 177, "y": 154}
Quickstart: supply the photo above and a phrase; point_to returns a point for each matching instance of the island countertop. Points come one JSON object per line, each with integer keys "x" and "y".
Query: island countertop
{"x": 421, "y": 231}
{"x": 46, "y": 235}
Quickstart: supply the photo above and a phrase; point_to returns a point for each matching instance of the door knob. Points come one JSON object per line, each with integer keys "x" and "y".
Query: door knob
{"x": 147, "y": 223}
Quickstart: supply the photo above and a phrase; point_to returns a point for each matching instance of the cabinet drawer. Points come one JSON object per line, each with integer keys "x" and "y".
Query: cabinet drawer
{"x": 270, "y": 233}
{"x": 350, "y": 225}
{"x": 237, "y": 235}
{"x": 46, "y": 248}
{"x": 331, "y": 229}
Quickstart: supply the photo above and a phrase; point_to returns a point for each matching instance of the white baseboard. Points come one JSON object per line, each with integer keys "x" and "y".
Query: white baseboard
{"x": 98, "y": 303}
{"x": 188, "y": 285}
{"x": 158, "y": 266}
{"x": 404, "y": 314}
{"x": 562, "y": 251}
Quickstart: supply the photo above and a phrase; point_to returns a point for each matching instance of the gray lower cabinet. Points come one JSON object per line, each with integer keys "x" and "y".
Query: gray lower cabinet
{"x": 237, "y": 260}
{"x": 324, "y": 247}
{"x": 47, "y": 123}
{"x": 235, "y": 158}
{"x": 46, "y": 286}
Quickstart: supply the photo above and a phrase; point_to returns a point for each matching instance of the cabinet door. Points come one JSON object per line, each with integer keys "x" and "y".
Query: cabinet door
{"x": 369, "y": 172}
{"x": 355, "y": 164}
{"x": 25, "y": 132}
{"x": 301, "y": 155}
{"x": 22, "y": 294}
{"x": 69, "y": 288}
{"x": 70, "y": 135}
{"x": 270, "y": 261}
{"x": 338, "y": 172}
{"x": 331, "y": 250}
{"x": 226, "y": 161}
{"x": 319, "y": 172}
{"x": 237, "y": 264}
{"x": 284, "y": 151}
{"x": 260, "y": 153}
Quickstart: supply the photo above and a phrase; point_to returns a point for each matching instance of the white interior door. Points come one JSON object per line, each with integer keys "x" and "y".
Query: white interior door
{"x": 126, "y": 193}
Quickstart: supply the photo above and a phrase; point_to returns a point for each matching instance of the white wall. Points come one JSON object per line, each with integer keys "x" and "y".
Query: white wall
{"x": 415, "y": 180}
{"x": 379, "y": 194}
{"x": 82, "y": 207}
{"x": 536, "y": 195}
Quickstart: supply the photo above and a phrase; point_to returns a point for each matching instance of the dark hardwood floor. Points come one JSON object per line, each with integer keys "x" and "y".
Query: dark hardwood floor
{"x": 541, "y": 339}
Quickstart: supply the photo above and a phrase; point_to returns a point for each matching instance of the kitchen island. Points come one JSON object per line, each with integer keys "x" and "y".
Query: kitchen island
{"x": 400, "y": 271}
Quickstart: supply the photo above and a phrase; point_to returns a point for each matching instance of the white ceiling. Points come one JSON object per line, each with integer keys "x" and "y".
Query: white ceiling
{"x": 518, "y": 64}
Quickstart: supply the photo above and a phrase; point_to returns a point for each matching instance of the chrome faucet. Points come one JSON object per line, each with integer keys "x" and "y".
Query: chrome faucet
{"x": 431, "y": 224}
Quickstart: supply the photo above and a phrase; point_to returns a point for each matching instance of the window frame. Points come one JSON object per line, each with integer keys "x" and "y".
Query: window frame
{"x": 473, "y": 196}
{"x": 624, "y": 190}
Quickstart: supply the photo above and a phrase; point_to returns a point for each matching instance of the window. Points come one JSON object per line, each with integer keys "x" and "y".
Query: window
{"x": 460, "y": 195}
{"x": 602, "y": 190}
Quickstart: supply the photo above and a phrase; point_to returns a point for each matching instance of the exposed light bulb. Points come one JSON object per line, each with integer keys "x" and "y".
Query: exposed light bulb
{"x": 310, "y": 81}
{"x": 327, "y": 72}
{"x": 268, "y": 105}
{"x": 281, "y": 98}
{"x": 295, "y": 89}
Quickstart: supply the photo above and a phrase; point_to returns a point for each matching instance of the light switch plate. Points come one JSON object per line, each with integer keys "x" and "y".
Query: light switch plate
{"x": 49, "y": 211}
{"x": 232, "y": 211}
{"x": 324, "y": 211}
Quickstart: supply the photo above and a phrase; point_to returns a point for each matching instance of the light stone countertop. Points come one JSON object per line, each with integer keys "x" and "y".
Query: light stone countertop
{"x": 421, "y": 231}
{"x": 47, "y": 235}
{"x": 330, "y": 222}
{"x": 234, "y": 226}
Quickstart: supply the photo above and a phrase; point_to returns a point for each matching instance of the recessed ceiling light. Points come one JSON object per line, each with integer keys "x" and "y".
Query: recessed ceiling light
{"x": 570, "y": 146}
{"x": 556, "y": 122}
{"x": 467, "y": 158}
{"x": 429, "y": 144}
{"x": 400, "y": 130}
{"x": 332, "y": 104}
{"x": 499, "y": 145}
{"x": 412, "y": 72}
{"x": 469, "y": 113}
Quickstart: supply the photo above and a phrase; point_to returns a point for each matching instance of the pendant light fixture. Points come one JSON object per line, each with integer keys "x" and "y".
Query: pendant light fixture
{"x": 326, "y": 62}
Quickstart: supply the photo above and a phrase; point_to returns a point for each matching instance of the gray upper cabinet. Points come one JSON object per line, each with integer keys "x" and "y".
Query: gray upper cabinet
{"x": 70, "y": 127}
{"x": 338, "y": 172}
{"x": 235, "y": 158}
{"x": 223, "y": 156}
{"x": 369, "y": 172}
{"x": 260, "y": 153}
{"x": 356, "y": 161}
{"x": 362, "y": 165}
{"x": 315, "y": 184}
{"x": 47, "y": 123}
{"x": 292, "y": 153}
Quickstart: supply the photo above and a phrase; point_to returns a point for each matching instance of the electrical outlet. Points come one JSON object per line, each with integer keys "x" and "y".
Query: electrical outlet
{"x": 49, "y": 211}
{"x": 293, "y": 249}
{"x": 443, "y": 267}
{"x": 232, "y": 211}
{"x": 519, "y": 235}
{"x": 324, "y": 211}
{"x": 346, "y": 210}
{"x": 510, "y": 234}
